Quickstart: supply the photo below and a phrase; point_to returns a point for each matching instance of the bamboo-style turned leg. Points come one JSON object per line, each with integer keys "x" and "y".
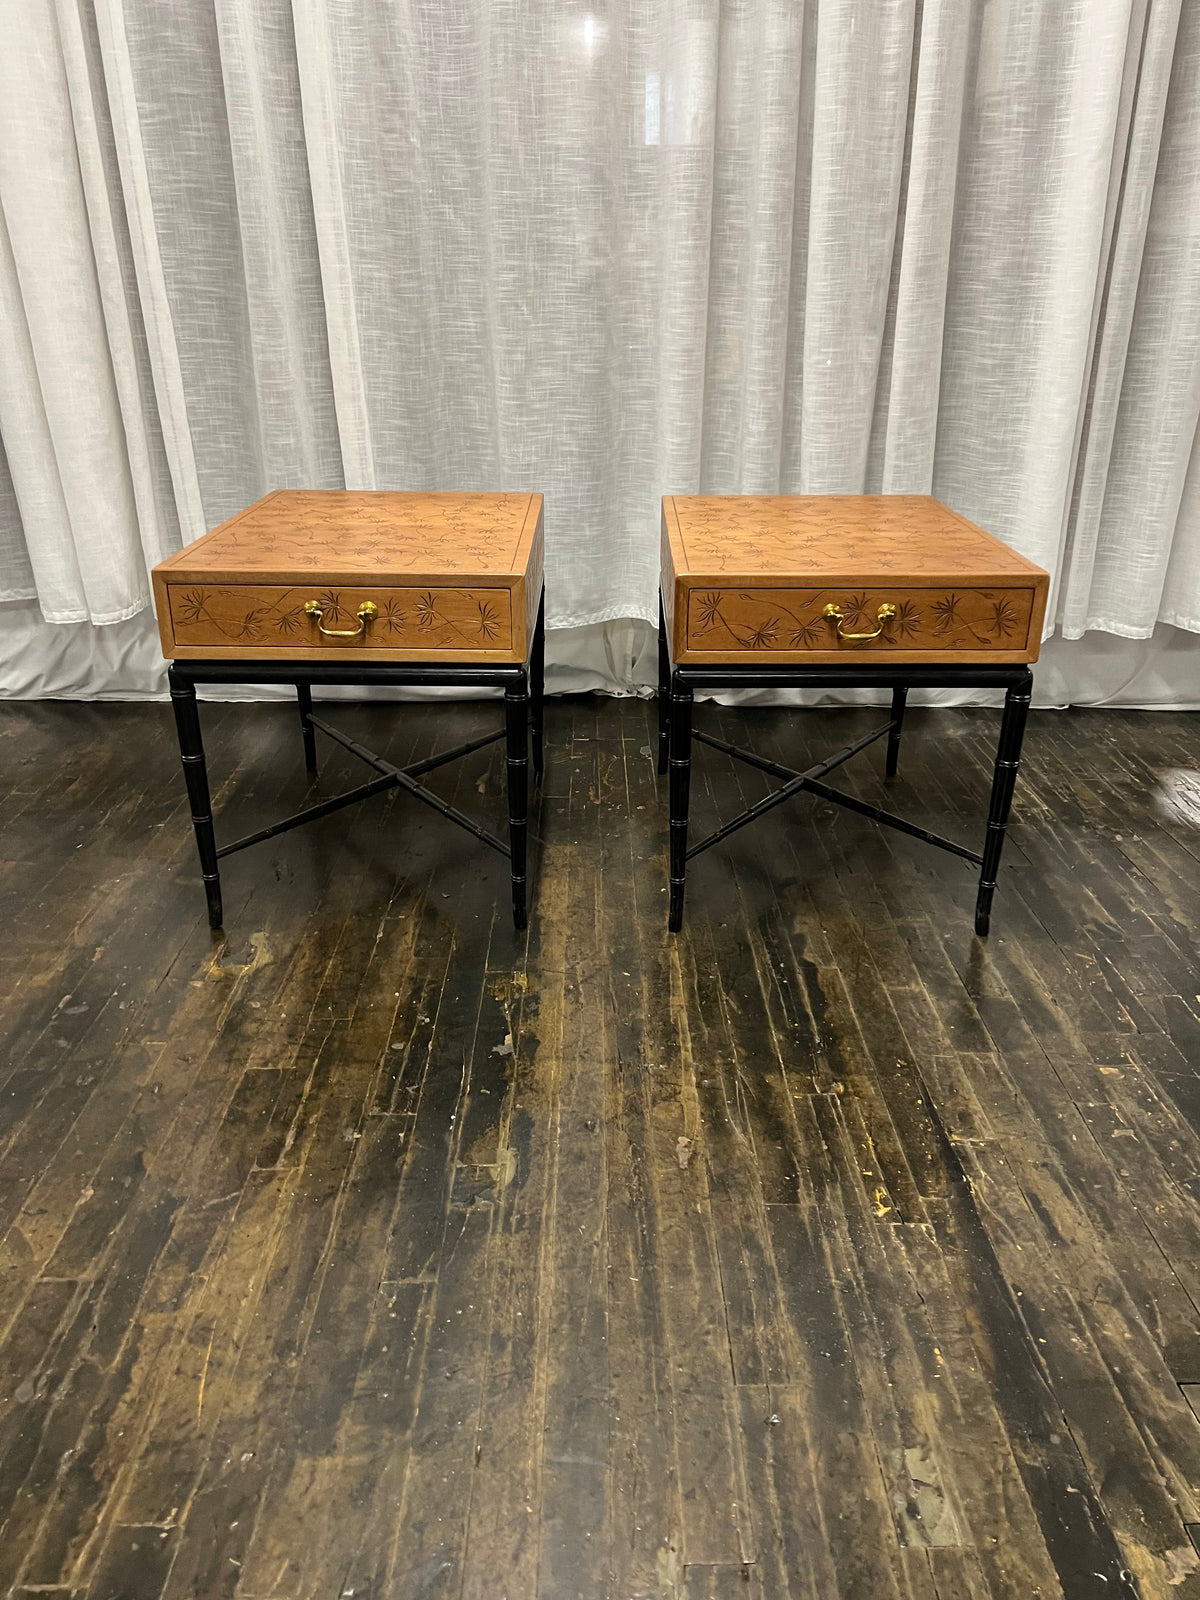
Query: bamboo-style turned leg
{"x": 191, "y": 750}
{"x": 664, "y": 691}
{"x": 1008, "y": 761}
{"x": 899, "y": 698}
{"x": 681, "y": 777}
{"x": 516, "y": 710}
{"x": 537, "y": 689}
{"x": 304, "y": 701}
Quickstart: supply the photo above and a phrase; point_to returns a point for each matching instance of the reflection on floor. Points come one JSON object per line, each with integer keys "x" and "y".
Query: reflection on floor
{"x": 820, "y": 1252}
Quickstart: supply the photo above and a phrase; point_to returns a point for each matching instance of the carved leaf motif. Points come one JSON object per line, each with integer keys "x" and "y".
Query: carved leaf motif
{"x": 1004, "y": 618}
{"x": 427, "y": 611}
{"x": 489, "y": 620}
{"x": 251, "y": 625}
{"x": 193, "y": 607}
{"x": 907, "y": 620}
{"x": 945, "y": 609}
{"x": 708, "y": 609}
{"x": 804, "y": 632}
{"x": 762, "y": 637}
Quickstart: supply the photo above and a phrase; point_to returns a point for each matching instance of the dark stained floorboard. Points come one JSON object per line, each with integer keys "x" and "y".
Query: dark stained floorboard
{"x": 821, "y": 1253}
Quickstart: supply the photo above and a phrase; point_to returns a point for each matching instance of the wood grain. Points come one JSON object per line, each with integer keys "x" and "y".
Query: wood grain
{"x": 820, "y": 1251}
{"x": 926, "y": 621}
{"x": 453, "y": 621}
{"x": 746, "y": 575}
{"x": 314, "y": 531}
{"x": 452, "y": 575}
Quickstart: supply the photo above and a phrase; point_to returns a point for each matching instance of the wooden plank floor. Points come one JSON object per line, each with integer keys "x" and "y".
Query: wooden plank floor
{"x": 822, "y": 1252}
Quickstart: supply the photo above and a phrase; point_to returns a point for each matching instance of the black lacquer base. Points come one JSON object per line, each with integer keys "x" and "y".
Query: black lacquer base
{"x": 523, "y": 703}
{"x": 676, "y": 691}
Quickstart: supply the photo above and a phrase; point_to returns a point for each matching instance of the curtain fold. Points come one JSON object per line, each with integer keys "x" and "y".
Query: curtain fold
{"x": 608, "y": 250}
{"x": 1140, "y": 532}
{"x": 78, "y": 434}
{"x": 907, "y": 394}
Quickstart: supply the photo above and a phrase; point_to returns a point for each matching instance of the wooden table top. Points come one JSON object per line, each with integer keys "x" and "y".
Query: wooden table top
{"x": 847, "y": 536}
{"x": 348, "y": 533}
{"x": 450, "y": 576}
{"x": 911, "y": 579}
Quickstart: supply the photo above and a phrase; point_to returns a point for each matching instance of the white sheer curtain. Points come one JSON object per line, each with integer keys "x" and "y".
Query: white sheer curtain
{"x": 607, "y": 250}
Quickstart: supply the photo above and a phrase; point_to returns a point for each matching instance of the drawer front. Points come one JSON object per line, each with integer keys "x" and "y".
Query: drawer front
{"x": 793, "y": 621}
{"x": 262, "y": 616}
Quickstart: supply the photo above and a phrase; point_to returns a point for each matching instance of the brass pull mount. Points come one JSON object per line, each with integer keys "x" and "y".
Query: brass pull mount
{"x": 367, "y": 612}
{"x": 834, "y": 613}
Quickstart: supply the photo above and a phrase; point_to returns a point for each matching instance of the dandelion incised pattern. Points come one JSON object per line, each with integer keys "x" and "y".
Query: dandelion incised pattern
{"x": 308, "y": 528}
{"x": 907, "y": 623}
{"x": 803, "y": 575}
{"x": 393, "y": 576}
{"x": 1005, "y": 618}
{"x": 427, "y": 619}
{"x": 794, "y": 620}
{"x": 793, "y": 534}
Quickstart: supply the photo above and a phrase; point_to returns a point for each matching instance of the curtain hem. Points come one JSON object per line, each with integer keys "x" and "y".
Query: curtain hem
{"x": 108, "y": 620}
{"x": 1123, "y": 631}
{"x": 608, "y": 614}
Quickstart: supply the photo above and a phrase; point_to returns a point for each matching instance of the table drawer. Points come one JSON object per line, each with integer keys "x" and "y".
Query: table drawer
{"x": 794, "y": 621}
{"x": 260, "y": 618}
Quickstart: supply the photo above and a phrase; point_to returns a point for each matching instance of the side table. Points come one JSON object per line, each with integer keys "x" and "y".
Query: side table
{"x": 823, "y": 591}
{"x": 362, "y": 588}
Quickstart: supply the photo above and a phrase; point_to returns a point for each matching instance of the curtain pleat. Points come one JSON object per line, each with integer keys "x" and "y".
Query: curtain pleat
{"x": 16, "y": 571}
{"x": 332, "y": 259}
{"x": 608, "y": 251}
{"x": 907, "y": 396}
{"x": 864, "y": 59}
{"x": 60, "y": 384}
{"x": 291, "y": 373}
{"x": 1138, "y": 516}
{"x": 748, "y": 312}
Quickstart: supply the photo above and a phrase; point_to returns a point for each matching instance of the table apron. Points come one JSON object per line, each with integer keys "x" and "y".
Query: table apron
{"x": 464, "y": 675}
{"x": 967, "y": 676}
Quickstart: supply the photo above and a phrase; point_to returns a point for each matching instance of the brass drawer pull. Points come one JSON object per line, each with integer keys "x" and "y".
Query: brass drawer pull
{"x": 366, "y": 612}
{"x": 882, "y": 616}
